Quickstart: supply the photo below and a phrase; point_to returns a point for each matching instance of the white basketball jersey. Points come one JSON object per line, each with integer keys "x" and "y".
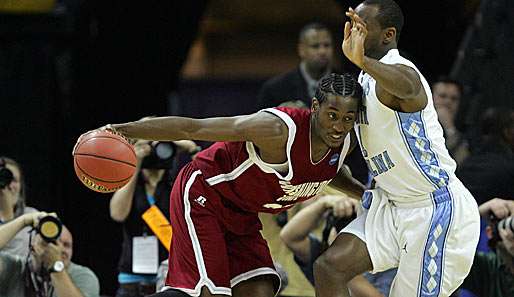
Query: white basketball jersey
{"x": 405, "y": 152}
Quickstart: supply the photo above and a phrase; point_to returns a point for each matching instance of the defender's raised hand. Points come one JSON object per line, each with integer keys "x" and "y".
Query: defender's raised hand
{"x": 355, "y": 33}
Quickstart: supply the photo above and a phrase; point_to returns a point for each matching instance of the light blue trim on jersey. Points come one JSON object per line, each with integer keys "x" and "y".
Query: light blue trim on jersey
{"x": 128, "y": 278}
{"x": 433, "y": 256}
{"x": 366, "y": 199}
{"x": 414, "y": 135}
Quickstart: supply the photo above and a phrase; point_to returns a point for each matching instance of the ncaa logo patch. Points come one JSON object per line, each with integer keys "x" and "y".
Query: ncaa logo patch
{"x": 333, "y": 159}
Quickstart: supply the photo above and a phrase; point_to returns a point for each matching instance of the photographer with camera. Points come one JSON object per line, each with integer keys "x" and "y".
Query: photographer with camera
{"x": 146, "y": 195}
{"x": 12, "y": 204}
{"x": 492, "y": 273}
{"x": 337, "y": 210}
{"x": 47, "y": 271}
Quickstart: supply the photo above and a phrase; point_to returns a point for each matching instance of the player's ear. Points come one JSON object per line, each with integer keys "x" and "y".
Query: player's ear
{"x": 389, "y": 35}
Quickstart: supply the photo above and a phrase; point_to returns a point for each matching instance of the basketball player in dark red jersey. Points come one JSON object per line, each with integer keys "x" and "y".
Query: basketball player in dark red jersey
{"x": 263, "y": 162}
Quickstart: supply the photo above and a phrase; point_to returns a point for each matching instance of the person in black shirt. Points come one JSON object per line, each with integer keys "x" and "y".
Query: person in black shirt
{"x": 316, "y": 53}
{"x": 489, "y": 171}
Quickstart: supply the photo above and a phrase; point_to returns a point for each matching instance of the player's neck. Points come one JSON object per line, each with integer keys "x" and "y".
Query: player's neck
{"x": 379, "y": 54}
{"x": 318, "y": 147}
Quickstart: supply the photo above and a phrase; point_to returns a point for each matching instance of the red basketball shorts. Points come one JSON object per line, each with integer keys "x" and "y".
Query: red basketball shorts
{"x": 203, "y": 251}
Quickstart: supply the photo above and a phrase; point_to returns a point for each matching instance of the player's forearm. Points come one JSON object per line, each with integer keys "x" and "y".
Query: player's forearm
{"x": 10, "y": 229}
{"x": 396, "y": 80}
{"x": 161, "y": 128}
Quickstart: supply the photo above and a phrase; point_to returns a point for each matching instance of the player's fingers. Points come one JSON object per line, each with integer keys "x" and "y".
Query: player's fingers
{"x": 358, "y": 19}
{"x": 346, "y": 30}
{"x": 359, "y": 26}
{"x": 78, "y": 142}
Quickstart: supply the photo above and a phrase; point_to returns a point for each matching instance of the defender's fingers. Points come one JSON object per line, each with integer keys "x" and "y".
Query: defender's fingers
{"x": 346, "y": 30}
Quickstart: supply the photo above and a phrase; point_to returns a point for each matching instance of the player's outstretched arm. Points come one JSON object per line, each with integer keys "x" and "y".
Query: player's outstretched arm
{"x": 259, "y": 128}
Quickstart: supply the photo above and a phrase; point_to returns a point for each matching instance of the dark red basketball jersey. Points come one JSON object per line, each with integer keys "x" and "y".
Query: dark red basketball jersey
{"x": 236, "y": 172}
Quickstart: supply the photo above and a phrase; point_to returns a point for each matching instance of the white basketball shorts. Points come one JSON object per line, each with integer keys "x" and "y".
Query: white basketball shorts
{"x": 432, "y": 241}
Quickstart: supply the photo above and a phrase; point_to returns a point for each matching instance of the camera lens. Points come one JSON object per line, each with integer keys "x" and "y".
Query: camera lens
{"x": 510, "y": 223}
{"x": 49, "y": 228}
{"x": 507, "y": 223}
{"x": 164, "y": 150}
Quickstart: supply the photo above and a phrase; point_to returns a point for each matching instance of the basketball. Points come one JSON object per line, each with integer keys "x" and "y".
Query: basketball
{"x": 103, "y": 161}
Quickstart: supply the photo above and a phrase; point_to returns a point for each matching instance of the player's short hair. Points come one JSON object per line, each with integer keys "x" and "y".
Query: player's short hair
{"x": 312, "y": 26}
{"x": 340, "y": 85}
{"x": 389, "y": 15}
{"x": 449, "y": 80}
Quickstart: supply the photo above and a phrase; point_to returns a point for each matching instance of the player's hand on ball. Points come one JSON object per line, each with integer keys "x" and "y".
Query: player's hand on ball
{"x": 111, "y": 129}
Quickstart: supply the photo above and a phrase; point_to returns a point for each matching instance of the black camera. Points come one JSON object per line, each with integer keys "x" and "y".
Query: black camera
{"x": 338, "y": 223}
{"x": 161, "y": 156}
{"x": 334, "y": 222}
{"x": 507, "y": 223}
{"x": 496, "y": 224}
{"x": 49, "y": 228}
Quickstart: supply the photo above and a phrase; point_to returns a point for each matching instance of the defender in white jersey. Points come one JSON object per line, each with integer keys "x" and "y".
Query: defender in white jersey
{"x": 419, "y": 217}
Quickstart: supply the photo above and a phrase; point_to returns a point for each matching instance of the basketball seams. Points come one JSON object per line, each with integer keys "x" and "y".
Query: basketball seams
{"x": 106, "y": 158}
{"x": 98, "y": 179}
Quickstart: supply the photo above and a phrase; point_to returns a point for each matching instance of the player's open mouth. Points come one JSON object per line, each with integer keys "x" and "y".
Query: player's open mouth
{"x": 336, "y": 136}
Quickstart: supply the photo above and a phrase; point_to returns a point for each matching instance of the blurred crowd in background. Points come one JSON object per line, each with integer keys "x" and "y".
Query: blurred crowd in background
{"x": 68, "y": 66}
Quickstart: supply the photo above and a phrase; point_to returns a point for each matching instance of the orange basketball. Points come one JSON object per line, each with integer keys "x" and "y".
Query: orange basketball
{"x": 103, "y": 161}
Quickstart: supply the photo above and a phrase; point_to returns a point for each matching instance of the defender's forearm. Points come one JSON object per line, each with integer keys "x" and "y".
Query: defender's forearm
{"x": 395, "y": 79}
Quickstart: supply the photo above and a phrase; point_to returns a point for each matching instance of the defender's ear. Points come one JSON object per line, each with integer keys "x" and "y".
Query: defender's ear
{"x": 389, "y": 35}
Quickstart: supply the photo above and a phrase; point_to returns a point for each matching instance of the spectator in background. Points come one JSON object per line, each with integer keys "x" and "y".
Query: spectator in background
{"x": 492, "y": 273}
{"x": 150, "y": 186}
{"x": 337, "y": 211}
{"x": 12, "y": 204}
{"x": 48, "y": 270}
{"x": 316, "y": 51}
{"x": 489, "y": 171}
{"x": 447, "y": 94}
